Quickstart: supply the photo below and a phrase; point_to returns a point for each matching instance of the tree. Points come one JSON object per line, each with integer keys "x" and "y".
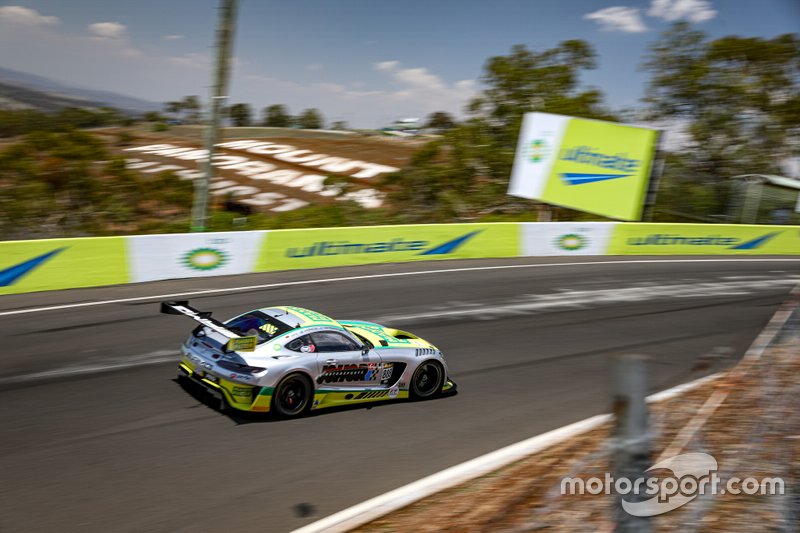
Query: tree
{"x": 191, "y": 106}
{"x": 240, "y": 114}
{"x": 440, "y": 121}
{"x": 464, "y": 175}
{"x": 173, "y": 108}
{"x": 339, "y": 125}
{"x": 738, "y": 97}
{"x": 277, "y": 116}
{"x": 153, "y": 116}
{"x": 310, "y": 119}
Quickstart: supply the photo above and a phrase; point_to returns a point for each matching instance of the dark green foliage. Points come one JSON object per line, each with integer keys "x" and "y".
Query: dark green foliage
{"x": 20, "y": 122}
{"x": 277, "y": 116}
{"x": 739, "y": 98}
{"x": 240, "y": 115}
{"x": 67, "y": 184}
{"x": 440, "y": 122}
{"x": 310, "y": 119}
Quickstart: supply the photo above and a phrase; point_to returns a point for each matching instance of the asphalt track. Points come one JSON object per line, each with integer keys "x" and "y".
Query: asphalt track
{"x": 96, "y": 435}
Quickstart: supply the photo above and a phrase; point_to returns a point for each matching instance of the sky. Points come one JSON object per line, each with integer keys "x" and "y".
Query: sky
{"x": 367, "y": 62}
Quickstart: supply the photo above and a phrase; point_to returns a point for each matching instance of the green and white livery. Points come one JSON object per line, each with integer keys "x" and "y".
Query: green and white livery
{"x": 290, "y": 360}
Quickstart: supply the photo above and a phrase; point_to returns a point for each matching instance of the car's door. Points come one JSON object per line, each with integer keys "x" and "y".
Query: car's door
{"x": 342, "y": 362}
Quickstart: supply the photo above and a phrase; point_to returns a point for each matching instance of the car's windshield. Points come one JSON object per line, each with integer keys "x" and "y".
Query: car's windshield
{"x": 257, "y": 323}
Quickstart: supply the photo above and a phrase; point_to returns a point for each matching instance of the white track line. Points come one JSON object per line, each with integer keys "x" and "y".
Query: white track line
{"x": 377, "y": 276}
{"x": 154, "y": 358}
{"x": 384, "y": 504}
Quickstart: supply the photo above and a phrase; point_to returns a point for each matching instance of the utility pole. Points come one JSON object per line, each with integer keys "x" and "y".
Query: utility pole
{"x": 219, "y": 88}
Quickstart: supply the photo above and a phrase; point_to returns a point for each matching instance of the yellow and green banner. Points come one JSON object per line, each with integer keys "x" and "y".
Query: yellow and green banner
{"x": 703, "y": 239}
{"x": 590, "y": 165}
{"x": 314, "y": 248}
{"x": 48, "y": 264}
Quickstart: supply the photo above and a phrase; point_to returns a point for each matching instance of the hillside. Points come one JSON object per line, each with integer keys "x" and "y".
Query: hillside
{"x": 20, "y": 90}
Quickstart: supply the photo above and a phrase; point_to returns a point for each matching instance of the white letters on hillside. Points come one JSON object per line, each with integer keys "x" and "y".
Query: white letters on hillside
{"x": 261, "y": 170}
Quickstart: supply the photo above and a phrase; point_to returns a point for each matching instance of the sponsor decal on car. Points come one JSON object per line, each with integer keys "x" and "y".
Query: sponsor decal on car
{"x": 371, "y": 395}
{"x": 339, "y": 373}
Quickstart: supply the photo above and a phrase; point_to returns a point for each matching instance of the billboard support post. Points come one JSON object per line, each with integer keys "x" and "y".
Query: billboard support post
{"x": 655, "y": 179}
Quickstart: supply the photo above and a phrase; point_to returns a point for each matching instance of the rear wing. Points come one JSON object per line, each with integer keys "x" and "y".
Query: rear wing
{"x": 235, "y": 342}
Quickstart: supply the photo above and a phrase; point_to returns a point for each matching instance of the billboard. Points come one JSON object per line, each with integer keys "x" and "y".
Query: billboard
{"x": 589, "y": 165}
{"x": 704, "y": 239}
{"x": 191, "y": 255}
{"x": 313, "y": 248}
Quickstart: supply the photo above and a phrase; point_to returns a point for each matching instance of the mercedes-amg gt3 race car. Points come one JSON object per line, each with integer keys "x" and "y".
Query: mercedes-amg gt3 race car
{"x": 289, "y": 360}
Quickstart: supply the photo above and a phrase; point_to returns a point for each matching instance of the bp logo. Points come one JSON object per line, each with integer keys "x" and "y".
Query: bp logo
{"x": 537, "y": 150}
{"x": 204, "y": 259}
{"x": 571, "y": 242}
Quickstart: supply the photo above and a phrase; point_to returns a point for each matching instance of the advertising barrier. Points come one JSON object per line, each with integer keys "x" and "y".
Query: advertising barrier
{"x": 314, "y": 248}
{"x": 703, "y": 239}
{"x": 191, "y": 255}
{"x": 565, "y": 238}
{"x": 49, "y": 264}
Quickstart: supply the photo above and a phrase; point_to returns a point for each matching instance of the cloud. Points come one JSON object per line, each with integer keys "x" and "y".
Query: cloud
{"x": 386, "y": 65}
{"x": 24, "y": 16}
{"x": 192, "y": 60}
{"x": 420, "y": 78}
{"x": 618, "y": 18}
{"x": 427, "y": 91}
{"x": 314, "y": 67}
{"x": 691, "y": 10}
{"x": 172, "y": 37}
{"x": 107, "y": 30}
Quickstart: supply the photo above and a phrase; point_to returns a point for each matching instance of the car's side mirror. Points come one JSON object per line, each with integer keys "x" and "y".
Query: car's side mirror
{"x": 364, "y": 350}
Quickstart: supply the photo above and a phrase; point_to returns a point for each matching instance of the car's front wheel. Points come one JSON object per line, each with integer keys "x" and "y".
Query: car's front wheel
{"x": 292, "y": 396}
{"x": 427, "y": 381}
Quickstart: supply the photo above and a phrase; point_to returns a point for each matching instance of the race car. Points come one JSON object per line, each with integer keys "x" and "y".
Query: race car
{"x": 289, "y": 360}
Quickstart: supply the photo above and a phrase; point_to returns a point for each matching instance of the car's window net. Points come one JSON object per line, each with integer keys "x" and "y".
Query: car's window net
{"x": 257, "y": 323}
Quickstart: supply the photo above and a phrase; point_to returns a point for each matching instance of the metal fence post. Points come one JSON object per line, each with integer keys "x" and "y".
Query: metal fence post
{"x": 631, "y": 440}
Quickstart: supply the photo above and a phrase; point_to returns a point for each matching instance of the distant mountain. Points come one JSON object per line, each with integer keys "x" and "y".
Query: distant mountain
{"x": 23, "y": 90}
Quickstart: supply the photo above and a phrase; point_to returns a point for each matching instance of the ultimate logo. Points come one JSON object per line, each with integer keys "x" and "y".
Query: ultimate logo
{"x": 571, "y": 242}
{"x": 204, "y": 259}
{"x": 537, "y": 150}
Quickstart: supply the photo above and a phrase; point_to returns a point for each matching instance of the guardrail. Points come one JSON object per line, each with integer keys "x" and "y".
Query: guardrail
{"x": 51, "y": 264}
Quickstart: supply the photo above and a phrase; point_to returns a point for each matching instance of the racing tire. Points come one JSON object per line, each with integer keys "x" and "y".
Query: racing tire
{"x": 427, "y": 381}
{"x": 292, "y": 396}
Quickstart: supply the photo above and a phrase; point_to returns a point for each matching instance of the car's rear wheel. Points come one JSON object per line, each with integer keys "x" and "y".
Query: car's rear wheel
{"x": 427, "y": 381}
{"x": 292, "y": 396}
